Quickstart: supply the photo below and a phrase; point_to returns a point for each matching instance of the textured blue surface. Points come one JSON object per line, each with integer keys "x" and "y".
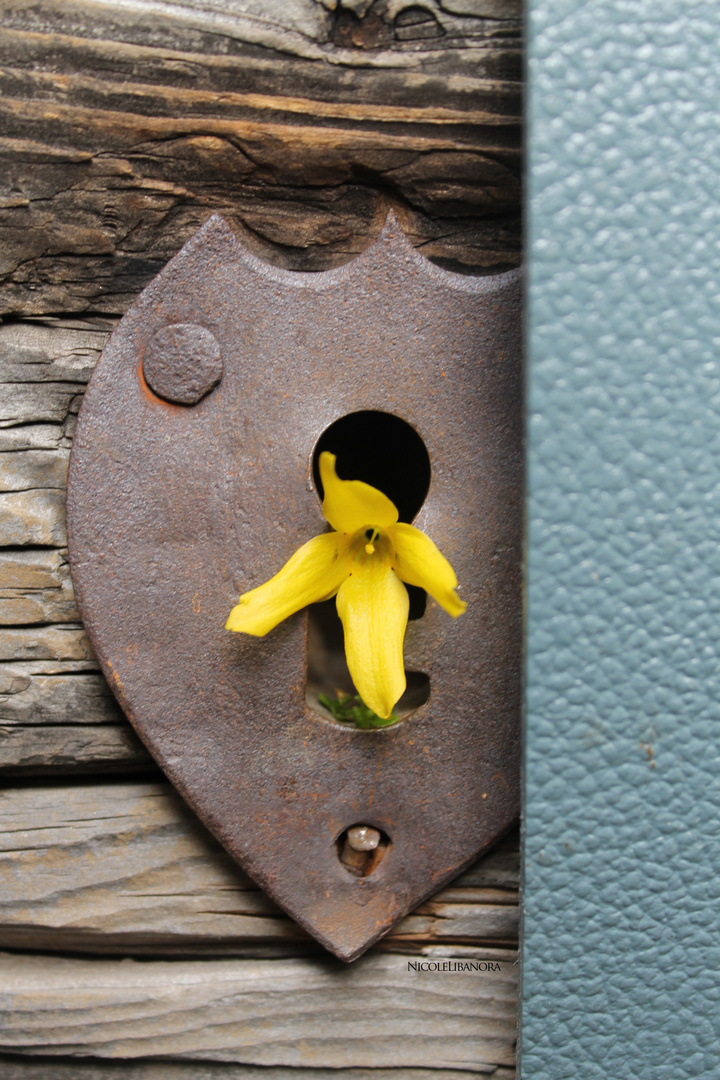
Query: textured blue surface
{"x": 622, "y": 950}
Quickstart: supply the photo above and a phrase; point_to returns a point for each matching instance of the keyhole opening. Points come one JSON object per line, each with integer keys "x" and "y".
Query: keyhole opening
{"x": 386, "y": 452}
{"x": 382, "y": 450}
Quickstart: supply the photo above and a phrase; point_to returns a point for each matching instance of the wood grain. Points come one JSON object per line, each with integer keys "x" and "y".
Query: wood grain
{"x": 14, "y": 1067}
{"x": 56, "y": 711}
{"x": 52, "y": 350}
{"x": 33, "y": 517}
{"x": 48, "y": 692}
{"x": 24, "y": 470}
{"x": 303, "y": 1012}
{"x": 70, "y": 749}
{"x": 123, "y": 132}
{"x": 128, "y": 868}
{"x": 44, "y": 642}
{"x": 35, "y": 585}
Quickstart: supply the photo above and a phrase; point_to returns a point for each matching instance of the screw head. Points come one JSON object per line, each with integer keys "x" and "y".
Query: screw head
{"x": 363, "y": 837}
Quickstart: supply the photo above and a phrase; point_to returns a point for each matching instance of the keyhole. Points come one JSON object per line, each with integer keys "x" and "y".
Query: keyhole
{"x": 386, "y": 452}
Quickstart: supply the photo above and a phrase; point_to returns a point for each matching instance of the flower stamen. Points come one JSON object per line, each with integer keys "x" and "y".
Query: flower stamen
{"x": 372, "y": 535}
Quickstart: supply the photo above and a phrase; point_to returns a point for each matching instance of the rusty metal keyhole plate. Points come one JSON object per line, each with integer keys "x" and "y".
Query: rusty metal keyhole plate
{"x": 177, "y": 506}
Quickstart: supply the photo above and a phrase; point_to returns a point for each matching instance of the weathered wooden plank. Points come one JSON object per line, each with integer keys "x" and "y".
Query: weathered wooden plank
{"x": 15, "y": 1067}
{"x": 44, "y": 365}
{"x": 33, "y": 692}
{"x": 255, "y": 932}
{"x": 500, "y": 869}
{"x": 35, "y": 587}
{"x": 33, "y": 570}
{"x": 128, "y": 868}
{"x": 107, "y": 59}
{"x": 32, "y": 668}
{"x": 66, "y": 642}
{"x": 45, "y": 708}
{"x": 85, "y": 732}
{"x": 33, "y": 517}
{"x": 300, "y": 28}
{"x": 52, "y": 350}
{"x": 26, "y": 470}
{"x": 468, "y": 952}
{"x": 31, "y": 403}
{"x": 308, "y": 1011}
{"x": 20, "y": 608}
{"x": 124, "y": 128}
{"x": 69, "y": 749}
{"x": 491, "y": 916}
{"x": 31, "y": 436}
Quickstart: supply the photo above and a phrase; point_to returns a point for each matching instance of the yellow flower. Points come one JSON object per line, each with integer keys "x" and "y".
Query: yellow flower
{"x": 365, "y": 562}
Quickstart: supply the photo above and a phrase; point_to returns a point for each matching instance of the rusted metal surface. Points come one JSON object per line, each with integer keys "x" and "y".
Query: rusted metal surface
{"x": 182, "y": 363}
{"x": 176, "y": 510}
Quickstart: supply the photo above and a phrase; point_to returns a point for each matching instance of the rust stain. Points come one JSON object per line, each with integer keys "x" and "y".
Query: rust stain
{"x": 151, "y": 396}
{"x": 649, "y": 752}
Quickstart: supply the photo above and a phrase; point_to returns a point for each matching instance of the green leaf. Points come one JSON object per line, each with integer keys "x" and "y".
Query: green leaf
{"x": 352, "y": 710}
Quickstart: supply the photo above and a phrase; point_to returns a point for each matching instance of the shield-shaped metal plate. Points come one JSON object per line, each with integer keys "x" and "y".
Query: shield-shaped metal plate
{"x": 191, "y": 482}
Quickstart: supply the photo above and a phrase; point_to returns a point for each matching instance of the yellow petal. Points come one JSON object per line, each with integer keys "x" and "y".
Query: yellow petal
{"x": 373, "y": 605}
{"x": 350, "y": 505}
{"x": 419, "y": 562}
{"x": 313, "y": 573}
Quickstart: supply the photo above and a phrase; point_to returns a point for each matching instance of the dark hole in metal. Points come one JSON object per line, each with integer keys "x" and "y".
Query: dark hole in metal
{"x": 386, "y": 452}
{"x": 361, "y": 849}
{"x": 418, "y": 602}
{"x": 382, "y": 450}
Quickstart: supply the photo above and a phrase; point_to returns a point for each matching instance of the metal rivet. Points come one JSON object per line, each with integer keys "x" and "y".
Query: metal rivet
{"x": 183, "y": 362}
{"x": 363, "y": 838}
